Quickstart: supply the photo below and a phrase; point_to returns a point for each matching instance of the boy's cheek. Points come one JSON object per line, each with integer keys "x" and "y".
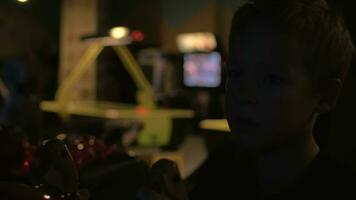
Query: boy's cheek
{"x": 284, "y": 117}
{"x": 275, "y": 114}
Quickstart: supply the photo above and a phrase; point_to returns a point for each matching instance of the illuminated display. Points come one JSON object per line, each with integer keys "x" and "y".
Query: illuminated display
{"x": 202, "y": 70}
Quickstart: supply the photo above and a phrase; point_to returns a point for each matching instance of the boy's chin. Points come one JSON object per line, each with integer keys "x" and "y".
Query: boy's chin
{"x": 252, "y": 142}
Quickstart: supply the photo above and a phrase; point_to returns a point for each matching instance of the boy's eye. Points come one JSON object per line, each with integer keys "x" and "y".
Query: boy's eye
{"x": 234, "y": 74}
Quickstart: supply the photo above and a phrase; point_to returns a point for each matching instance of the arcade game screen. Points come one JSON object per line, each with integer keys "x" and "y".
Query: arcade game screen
{"x": 202, "y": 70}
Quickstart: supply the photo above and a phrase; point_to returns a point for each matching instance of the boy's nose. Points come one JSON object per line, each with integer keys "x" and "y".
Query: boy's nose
{"x": 247, "y": 93}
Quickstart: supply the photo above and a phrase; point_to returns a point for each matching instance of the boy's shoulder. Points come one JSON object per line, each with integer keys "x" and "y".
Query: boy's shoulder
{"x": 328, "y": 168}
{"x": 327, "y": 177}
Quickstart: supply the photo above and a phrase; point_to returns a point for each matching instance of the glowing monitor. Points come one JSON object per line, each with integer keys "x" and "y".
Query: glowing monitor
{"x": 202, "y": 70}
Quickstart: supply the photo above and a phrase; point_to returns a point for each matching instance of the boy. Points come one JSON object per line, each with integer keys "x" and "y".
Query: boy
{"x": 288, "y": 60}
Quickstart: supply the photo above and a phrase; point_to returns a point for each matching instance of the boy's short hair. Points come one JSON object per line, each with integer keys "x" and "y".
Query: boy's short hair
{"x": 328, "y": 45}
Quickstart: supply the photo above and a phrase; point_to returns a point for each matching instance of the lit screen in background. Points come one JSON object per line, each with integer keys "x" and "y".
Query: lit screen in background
{"x": 202, "y": 70}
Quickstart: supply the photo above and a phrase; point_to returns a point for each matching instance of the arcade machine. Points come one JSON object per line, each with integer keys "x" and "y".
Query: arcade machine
{"x": 203, "y": 73}
{"x": 203, "y": 76}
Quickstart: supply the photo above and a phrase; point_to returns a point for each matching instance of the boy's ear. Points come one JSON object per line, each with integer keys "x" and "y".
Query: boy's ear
{"x": 330, "y": 96}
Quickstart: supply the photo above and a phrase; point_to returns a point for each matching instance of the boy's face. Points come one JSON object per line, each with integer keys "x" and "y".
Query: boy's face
{"x": 269, "y": 96}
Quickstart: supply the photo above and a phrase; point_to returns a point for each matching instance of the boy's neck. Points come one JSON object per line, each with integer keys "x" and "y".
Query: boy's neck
{"x": 280, "y": 169}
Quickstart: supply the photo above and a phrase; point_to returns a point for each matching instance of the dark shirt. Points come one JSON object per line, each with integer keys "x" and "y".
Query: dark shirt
{"x": 223, "y": 176}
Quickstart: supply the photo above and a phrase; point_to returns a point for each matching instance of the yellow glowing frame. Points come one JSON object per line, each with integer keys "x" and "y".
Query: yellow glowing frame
{"x": 158, "y": 122}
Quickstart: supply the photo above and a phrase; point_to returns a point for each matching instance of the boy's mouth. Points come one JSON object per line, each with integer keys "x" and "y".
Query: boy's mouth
{"x": 246, "y": 125}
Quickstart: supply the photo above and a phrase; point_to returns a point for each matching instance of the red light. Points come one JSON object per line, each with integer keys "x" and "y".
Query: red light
{"x": 137, "y": 36}
{"x": 26, "y": 163}
{"x": 141, "y": 110}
